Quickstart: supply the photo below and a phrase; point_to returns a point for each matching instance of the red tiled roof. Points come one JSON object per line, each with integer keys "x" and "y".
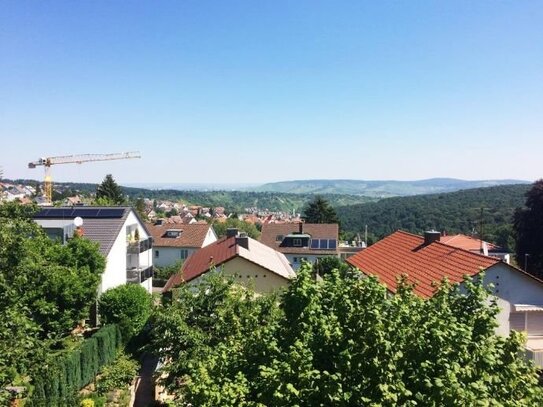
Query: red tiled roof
{"x": 270, "y": 231}
{"x": 404, "y": 253}
{"x": 225, "y": 249}
{"x": 192, "y": 235}
{"x": 467, "y": 243}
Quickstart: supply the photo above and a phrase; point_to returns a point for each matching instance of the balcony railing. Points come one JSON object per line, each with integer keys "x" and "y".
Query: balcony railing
{"x": 140, "y": 247}
{"x": 136, "y": 275}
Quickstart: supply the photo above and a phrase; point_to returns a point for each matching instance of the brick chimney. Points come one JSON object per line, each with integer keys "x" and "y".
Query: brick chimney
{"x": 301, "y": 227}
{"x": 231, "y": 232}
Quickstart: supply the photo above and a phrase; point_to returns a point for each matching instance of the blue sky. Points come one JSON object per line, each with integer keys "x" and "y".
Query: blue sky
{"x": 257, "y": 91}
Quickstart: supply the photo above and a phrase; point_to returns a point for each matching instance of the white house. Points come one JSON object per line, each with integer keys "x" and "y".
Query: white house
{"x": 426, "y": 260}
{"x": 123, "y": 238}
{"x": 177, "y": 241}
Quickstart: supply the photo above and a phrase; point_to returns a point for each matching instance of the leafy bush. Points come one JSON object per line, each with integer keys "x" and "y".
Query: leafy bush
{"x": 340, "y": 341}
{"x": 165, "y": 272}
{"x": 129, "y": 305}
{"x": 118, "y": 374}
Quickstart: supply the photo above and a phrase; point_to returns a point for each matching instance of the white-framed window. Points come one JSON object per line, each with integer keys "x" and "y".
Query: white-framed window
{"x": 529, "y": 322}
{"x": 297, "y": 242}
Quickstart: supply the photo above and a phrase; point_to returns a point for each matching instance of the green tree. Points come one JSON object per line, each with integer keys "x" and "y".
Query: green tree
{"x": 340, "y": 341}
{"x": 129, "y": 305}
{"x": 325, "y": 265}
{"x": 319, "y": 210}
{"x": 110, "y": 192}
{"x": 249, "y": 228}
{"x": 528, "y": 229}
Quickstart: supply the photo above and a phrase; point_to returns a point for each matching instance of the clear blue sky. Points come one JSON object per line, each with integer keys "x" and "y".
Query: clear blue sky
{"x": 256, "y": 91}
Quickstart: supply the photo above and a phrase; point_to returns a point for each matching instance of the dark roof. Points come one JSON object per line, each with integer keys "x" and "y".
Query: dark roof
{"x": 403, "y": 253}
{"x": 317, "y": 231}
{"x": 100, "y": 224}
{"x": 225, "y": 249}
{"x": 192, "y": 235}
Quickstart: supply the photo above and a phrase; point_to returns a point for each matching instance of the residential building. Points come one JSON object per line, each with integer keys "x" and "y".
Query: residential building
{"x": 247, "y": 260}
{"x": 426, "y": 261}
{"x": 475, "y": 245}
{"x": 123, "y": 238}
{"x": 174, "y": 242}
{"x": 301, "y": 241}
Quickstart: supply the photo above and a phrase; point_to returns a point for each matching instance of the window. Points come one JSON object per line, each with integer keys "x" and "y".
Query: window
{"x": 529, "y": 322}
{"x": 183, "y": 254}
{"x": 297, "y": 242}
{"x": 157, "y": 253}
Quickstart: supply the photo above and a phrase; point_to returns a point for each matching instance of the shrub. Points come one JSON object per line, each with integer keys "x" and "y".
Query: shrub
{"x": 118, "y": 374}
{"x": 129, "y": 305}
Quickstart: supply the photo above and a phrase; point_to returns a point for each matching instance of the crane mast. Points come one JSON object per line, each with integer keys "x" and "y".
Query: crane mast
{"x": 47, "y": 162}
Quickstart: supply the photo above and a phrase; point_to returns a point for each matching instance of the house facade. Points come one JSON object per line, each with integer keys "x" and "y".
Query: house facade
{"x": 425, "y": 261}
{"x": 246, "y": 260}
{"x": 301, "y": 242}
{"x": 175, "y": 242}
{"x": 122, "y": 237}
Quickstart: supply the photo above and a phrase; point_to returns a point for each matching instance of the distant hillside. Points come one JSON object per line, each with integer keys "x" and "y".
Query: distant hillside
{"x": 454, "y": 212}
{"x": 379, "y": 189}
{"x": 233, "y": 201}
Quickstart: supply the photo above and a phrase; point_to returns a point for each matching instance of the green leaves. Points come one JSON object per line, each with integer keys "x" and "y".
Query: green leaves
{"x": 342, "y": 341}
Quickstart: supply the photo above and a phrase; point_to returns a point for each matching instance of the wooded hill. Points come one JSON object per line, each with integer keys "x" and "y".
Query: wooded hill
{"x": 454, "y": 212}
{"x": 233, "y": 201}
{"x": 379, "y": 189}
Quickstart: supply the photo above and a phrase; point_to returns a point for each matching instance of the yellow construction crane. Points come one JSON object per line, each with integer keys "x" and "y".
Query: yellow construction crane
{"x": 74, "y": 159}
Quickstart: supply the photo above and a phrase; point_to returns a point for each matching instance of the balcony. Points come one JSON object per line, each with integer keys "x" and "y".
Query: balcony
{"x": 136, "y": 275}
{"x": 534, "y": 351}
{"x": 139, "y": 247}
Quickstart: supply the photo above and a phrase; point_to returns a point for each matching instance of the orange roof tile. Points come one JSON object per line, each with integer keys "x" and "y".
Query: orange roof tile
{"x": 225, "y": 249}
{"x": 192, "y": 235}
{"x": 467, "y": 243}
{"x": 404, "y": 253}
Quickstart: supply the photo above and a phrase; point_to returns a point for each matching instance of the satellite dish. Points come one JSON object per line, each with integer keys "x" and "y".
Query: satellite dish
{"x": 78, "y": 221}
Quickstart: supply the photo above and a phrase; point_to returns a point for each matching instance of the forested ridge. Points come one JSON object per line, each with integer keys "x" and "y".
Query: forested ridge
{"x": 454, "y": 212}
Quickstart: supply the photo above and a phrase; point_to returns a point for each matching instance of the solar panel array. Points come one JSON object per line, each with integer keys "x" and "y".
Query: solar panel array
{"x": 324, "y": 244}
{"x": 88, "y": 213}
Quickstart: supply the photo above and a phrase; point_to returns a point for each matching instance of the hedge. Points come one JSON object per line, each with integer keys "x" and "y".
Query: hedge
{"x": 64, "y": 377}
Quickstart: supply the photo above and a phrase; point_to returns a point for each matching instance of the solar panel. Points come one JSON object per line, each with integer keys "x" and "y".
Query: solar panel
{"x": 85, "y": 213}
{"x": 110, "y": 213}
{"x": 315, "y": 243}
{"x": 332, "y": 243}
{"x": 323, "y": 243}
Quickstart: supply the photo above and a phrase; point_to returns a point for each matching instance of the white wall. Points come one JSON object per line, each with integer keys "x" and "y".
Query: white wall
{"x": 116, "y": 262}
{"x": 512, "y": 287}
{"x": 210, "y": 237}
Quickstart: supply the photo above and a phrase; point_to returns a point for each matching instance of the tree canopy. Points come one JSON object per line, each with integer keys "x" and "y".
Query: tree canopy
{"x": 109, "y": 192}
{"x": 45, "y": 289}
{"x": 249, "y": 228}
{"x": 319, "y": 210}
{"x": 528, "y": 230}
{"x": 339, "y": 341}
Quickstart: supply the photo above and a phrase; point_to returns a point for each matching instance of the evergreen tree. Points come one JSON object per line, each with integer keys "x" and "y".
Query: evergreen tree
{"x": 319, "y": 210}
{"x": 110, "y": 191}
{"x": 528, "y": 229}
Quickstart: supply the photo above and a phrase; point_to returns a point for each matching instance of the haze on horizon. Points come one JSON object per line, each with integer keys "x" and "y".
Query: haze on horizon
{"x": 247, "y": 92}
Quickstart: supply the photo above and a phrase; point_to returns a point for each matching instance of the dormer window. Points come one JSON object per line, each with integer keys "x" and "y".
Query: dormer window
{"x": 174, "y": 233}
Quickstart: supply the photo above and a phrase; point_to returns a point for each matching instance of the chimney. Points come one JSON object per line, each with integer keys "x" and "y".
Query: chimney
{"x": 243, "y": 240}
{"x": 431, "y": 236}
{"x": 231, "y": 232}
{"x": 301, "y": 227}
{"x": 159, "y": 222}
